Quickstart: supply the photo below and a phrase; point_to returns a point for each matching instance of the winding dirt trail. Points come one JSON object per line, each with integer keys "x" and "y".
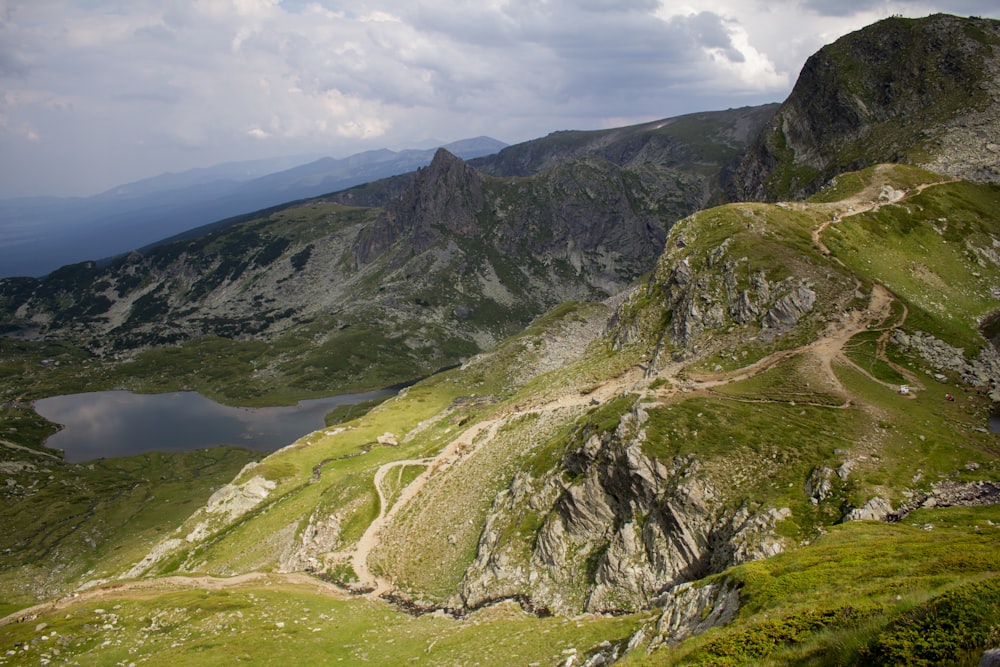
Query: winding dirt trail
{"x": 879, "y": 309}
{"x": 829, "y": 347}
{"x": 465, "y": 443}
{"x": 863, "y": 202}
{"x": 370, "y": 539}
{"x": 826, "y": 349}
{"x": 166, "y": 585}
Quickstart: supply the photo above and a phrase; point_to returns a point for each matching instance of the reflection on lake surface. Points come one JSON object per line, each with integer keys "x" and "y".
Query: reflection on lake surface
{"x": 120, "y": 423}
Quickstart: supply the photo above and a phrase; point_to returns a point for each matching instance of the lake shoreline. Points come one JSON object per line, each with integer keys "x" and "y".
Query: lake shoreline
{"x": 110, "y": 424}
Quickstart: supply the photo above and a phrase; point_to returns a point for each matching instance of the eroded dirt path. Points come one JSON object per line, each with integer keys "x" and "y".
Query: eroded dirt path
{"x": 156, "y": 586}
{"x": 871, "y": 198}
{"x": 473, "y": 437}
{"x": 446, "y": 457}
{"x": 830, "y": 345}
{"x": 827, "y": 349}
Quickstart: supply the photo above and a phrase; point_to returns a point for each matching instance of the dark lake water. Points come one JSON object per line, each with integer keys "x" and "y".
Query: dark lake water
{"x": 120, "y": 423}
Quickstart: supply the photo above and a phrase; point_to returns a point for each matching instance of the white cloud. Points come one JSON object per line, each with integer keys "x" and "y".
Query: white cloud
{"x": 379, "y": 17}
{"x": 754, "y": 70}
{"x": 362, "y": 128}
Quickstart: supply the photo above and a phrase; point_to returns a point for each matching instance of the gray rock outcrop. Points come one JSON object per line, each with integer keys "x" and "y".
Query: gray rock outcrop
{"x": 951, "y": 494}
{"x": 234, "y": 500}
{"x": 698, "y": 300}
{"x": 320, "y": 536}
{"x": 983, "y": 371}
{"x": 819, "y": 486}
{"x": 791, "y": 307}
{"x": 990, "y": 658}
{"x": 689, "y": 610}
{"x": 876, "y": 509}
{"x": 620, "y": 528}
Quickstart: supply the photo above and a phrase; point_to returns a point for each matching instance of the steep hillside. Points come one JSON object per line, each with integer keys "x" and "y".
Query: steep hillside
{"x": 922, "y": 91}
{"x": 723, "y": 461}
{"x": 709, "y": 140}
{"x": 349, "y": 296}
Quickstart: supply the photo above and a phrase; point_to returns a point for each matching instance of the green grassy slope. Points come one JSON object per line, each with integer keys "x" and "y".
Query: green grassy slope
{"x": 66, "y": 524}
{"x": 740, "y": 418}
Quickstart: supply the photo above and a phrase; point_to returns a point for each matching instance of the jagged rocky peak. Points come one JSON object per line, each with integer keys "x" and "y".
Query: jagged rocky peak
{"x": 447, "y": 192}
{"x": 448, "y": 189}
{"x": 922, "y": 91}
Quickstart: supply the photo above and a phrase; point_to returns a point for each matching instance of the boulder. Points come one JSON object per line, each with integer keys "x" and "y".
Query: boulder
{"x": 689, "y": 610}
{"x": 990, "y": 658}
{"x": 876, "y": 509}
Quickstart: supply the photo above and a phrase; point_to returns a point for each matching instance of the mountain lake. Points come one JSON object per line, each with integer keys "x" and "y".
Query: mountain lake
{"x": 107, "y": 424}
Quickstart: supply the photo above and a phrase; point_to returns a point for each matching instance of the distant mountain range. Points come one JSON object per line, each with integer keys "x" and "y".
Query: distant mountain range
{"x": 40, "y": 234}
{"x": 403, "y": 275}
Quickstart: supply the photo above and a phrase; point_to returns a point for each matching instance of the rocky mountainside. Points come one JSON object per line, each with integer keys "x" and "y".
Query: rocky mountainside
{"x": 704, "y": 139}
{"x": 451, "y": 260}
{"x": 719, "y": 467}
{"x": 920, "y": 91}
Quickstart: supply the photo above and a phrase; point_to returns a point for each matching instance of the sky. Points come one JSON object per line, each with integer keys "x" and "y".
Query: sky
{"x": 96, "y": 93}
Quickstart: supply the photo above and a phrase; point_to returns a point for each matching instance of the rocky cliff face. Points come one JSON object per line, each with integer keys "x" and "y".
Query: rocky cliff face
{"x": 595, "y": 216}
{"x": 447, "y": 194}
{"x": 620, "y": 528}
{"x": 727, "y": 285}
{"x": 922, "y": 91}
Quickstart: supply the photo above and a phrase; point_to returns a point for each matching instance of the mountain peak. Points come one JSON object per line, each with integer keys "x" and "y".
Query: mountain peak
{"x": 446, "y": 193}
{"x": 444, "y": 160}
{"x": 922, "y": 91}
